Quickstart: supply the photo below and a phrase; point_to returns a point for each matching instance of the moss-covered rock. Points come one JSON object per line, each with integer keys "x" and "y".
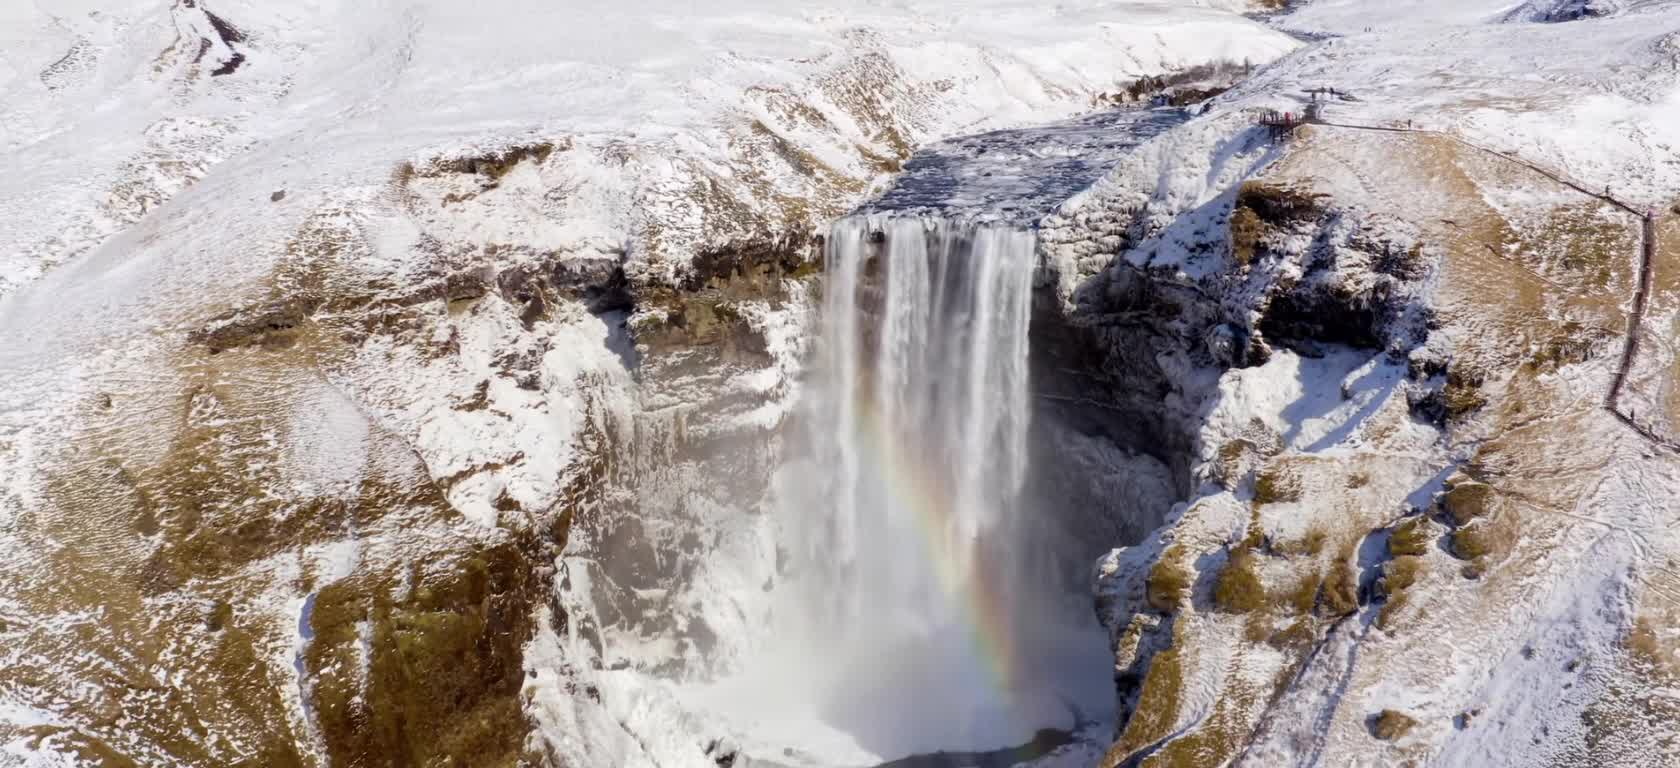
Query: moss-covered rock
{"x": 271, "y": 324}
{"x": 704, "y": 310}
{"x": 1400, "y": 573}
{"x": 1462, "y": 394}
{"x": 1472, "y": 542}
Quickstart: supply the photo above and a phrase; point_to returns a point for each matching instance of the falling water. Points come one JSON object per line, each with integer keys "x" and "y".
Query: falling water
{"x": 911, "y": 547}
{"x": 924, "y": 392}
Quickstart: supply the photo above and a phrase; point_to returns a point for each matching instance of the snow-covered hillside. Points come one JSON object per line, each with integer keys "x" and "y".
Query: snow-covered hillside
{"x": 327, "y": 326}
{"x": 112, "y": 109}
{"x": 1445, "y": 549}
{"x": 403, "y": 381}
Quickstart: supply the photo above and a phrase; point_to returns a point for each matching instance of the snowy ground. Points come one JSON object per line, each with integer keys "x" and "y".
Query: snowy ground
{"x": 332, "y": 94}
{"x": 144, "y": 147}
{"x": 1490, "y": 666}
{"x": 165, "y": 163}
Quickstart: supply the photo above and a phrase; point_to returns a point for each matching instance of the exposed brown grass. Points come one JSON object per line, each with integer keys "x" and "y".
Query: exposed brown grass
{"x": 1157, "y": 707}
{"x": 1237, "y": 589}
{"x": 1643, "y": 642}
{"x": 1260, "y": 206}
{"x": 1232, "y": 462}
{"x": 1411, "y": 537}
{"x": 1168, "y": 585}
{"x": 1341, "y": 585}
{"x": 1572, "y": 343}
{"x": 1304, "y": 595}
{"x": 1276, "y": 484}
{"x": 1467, "y": 501}
{"x": 1389, "y": 724}
{"x": 1299, "y": 635}
{"x": 1278, "y": 204}
{"x": 1311, "y": 543}
{"x": 1399, "y": 574}
{"x": 1246, "y": 230}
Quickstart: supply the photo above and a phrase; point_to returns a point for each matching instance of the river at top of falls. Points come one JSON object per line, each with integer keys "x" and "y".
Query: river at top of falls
{"x": 923, "y": 608}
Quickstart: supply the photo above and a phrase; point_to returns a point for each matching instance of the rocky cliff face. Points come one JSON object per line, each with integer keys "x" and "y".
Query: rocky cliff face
{"x": 1311, "y": 290}
{"x": 358, "y": 425}
{"x": 1413, "y": 339}
{"x": 352, "y": 425}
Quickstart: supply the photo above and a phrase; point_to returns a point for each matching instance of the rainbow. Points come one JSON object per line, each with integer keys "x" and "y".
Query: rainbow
{"x": 980, "y": 595}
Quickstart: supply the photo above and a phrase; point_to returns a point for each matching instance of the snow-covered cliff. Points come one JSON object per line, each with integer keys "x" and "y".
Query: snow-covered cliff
{"x": 329, "y": 327}
{"x": 1441, "y": 545}
{"x": 403, "y": 381}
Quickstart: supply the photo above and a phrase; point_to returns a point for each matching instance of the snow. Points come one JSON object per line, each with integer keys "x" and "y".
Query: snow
{"x": 135, "y": 204}
{"x": 1592, "y": 98}
{"x": 1315, "y": 404}
{"x": 139, "y": 198}
{"x": 326, "y": 445}
{"x": 333, "y": 94}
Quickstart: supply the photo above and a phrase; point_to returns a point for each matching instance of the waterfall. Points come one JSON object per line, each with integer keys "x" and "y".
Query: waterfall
{"x": 917, "y": 608}
{"x": 920, "y": 411}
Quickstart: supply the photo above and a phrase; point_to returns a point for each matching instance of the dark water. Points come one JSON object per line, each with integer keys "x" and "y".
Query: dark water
{"x": 1022, "y": 174}
{"x": 306, "y": 631}
{"x": 1043, "y": 743}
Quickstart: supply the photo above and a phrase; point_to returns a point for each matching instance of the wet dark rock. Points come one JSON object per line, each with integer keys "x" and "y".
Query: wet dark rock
{"x": 496, "y": 164}
{"x": 1559, "y": 11}
{"x": 230, "y": 66}
{"x": 703, "y": 311}
{"x": 1043, "y": 742}
{"x": 465, "y": 285}
{"x": 271, "y": 324}
{"x": 599, "y": 283}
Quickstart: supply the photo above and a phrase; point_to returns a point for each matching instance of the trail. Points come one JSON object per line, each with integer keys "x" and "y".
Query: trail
{"x": 1642, "y": 289}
